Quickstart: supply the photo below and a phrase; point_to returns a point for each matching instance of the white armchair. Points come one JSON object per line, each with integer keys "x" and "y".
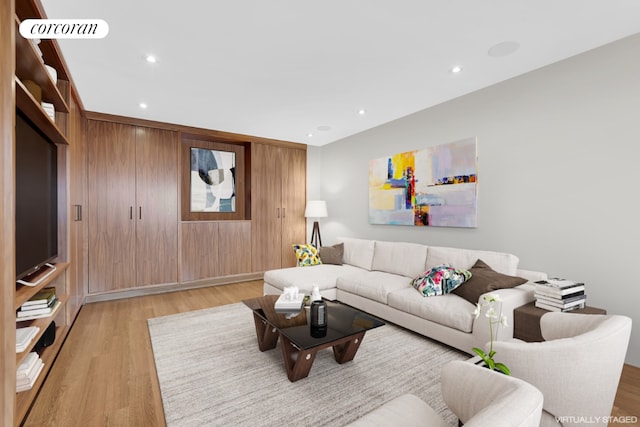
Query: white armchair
{"x": 577, "y": 368}
{"x": 477, "y": 396}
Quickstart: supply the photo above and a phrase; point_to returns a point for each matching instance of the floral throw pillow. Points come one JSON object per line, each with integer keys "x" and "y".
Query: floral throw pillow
{"x": 440, "y": 280}
{"x": 307, "y": 255}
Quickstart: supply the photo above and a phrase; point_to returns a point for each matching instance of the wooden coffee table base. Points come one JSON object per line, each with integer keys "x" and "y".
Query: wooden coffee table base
{"x": 267, "y": 333}
{"x": 298, "y": 361}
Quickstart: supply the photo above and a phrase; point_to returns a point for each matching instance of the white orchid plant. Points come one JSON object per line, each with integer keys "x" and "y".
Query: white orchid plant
{"x": 495, "y": 320}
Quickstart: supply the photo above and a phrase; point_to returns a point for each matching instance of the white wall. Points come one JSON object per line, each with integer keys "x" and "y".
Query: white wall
{"x": 558, "y": 173}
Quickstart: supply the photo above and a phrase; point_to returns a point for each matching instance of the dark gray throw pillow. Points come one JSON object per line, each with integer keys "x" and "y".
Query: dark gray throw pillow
{"x": 484, "y": 279}
{"x": 332, "y": 254}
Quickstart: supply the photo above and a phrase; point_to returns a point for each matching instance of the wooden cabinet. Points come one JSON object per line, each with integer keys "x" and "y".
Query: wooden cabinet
{"x": 132, "y": 206}
{"x": 215, "y": 249}
{"x": 278, "y": 194}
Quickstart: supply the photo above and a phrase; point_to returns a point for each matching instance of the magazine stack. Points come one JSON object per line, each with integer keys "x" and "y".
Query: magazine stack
{"x": 560, "y": 295}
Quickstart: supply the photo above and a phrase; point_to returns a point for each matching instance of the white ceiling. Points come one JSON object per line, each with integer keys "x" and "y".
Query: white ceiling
{"x": 286, "y": 68}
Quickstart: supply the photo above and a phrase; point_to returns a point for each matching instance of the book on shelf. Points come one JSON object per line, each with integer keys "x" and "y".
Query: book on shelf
{"x": 24, "y": 336}
{"x": 37, "y": 309}
{"x": 28, "y": 371}
{"x": 560, "y": 309}
{"x": 54, "y": 309}
{"x": 43, "y": 296}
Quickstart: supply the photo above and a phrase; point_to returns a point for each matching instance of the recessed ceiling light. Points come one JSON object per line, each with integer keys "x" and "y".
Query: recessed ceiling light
{"x": 150, "y": 58}
{"x": 503, "y": 49}
{"x": 362, "y": 112}
{"x": 456, "y": 69}
{"x": 143, "y": 105}
{"x": 309, "y": 134}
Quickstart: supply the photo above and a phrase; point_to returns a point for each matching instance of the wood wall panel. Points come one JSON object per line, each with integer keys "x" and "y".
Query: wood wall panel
{"x": 77, "y": 242}
{"x": 111, "y": 202}
{"x": 7, "y": 229}
{"x": 234, "y": 243}
{"x": 199, "y": 250}
{"x": 266, "y": 208}
{"x": 294, "y": 173}
{"x": 157, "y": 206}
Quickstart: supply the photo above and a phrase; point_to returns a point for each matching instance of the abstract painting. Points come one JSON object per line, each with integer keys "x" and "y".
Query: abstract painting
{"x": 435, "y": 187}
{"x": 213, "y": 186}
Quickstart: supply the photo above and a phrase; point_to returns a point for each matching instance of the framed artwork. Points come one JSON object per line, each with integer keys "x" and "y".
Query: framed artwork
{"x": 213, "y": 181}
{"x": 433, "y": 187}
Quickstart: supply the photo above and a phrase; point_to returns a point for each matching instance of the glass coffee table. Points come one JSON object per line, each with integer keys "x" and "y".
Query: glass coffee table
{"x": 300, "y": 341}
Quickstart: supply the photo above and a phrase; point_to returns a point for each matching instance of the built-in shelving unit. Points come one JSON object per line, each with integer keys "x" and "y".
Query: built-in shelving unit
{"x": 48, "y": 354}
{"x": 30, "y": 66}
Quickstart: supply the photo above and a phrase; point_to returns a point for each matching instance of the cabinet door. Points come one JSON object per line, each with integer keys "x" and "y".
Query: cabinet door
{"x": 77, "y": 230}
{"x": 266, "y": 209}
{"x": 111, "y": 204}
{"x": 157, "y": 206}
{"x": 294, "y": 178}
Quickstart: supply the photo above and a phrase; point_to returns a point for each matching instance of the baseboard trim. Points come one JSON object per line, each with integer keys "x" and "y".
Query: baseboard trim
{"x": 171, "y": 287}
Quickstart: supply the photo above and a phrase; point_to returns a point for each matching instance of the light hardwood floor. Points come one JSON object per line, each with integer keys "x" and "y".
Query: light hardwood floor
{"x": 105, "y": 374}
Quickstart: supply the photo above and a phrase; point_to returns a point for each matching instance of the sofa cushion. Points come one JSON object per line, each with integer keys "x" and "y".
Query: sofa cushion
{"x": 484, "y": 279}
{"x": 447, "y": 310}
{"x": 374, "y": 285}
{"x": 304, "y": 278}
{"x": 307, "y": 255}
{"x": 406, "y": 259}
{"x": 440, "y": 280}
{"x": 357, "y": 252}
{"x": 332, "y": 254}
{"x": 465, "y": 258}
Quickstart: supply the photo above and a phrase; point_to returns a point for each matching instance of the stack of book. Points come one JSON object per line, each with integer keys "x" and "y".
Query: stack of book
{"x": 24, "y": 336}
{"x": 28, "y": 372}
{"x": 42, "y": 304}
{"x": 50, "y": 110}
{"x": 560, "y": 295}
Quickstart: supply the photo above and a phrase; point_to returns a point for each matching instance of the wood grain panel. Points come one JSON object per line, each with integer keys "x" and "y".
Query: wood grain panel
{"x": 266, "y": 229}
{"x": 111, "y": 202}
{"x": 77, "y": 202}
{"x": 294, "y": 196}
{"x": 234, "y": 241}
{"x": 157, "y": 206}
{"x": 199, "y": 250}
{"x": 7, "y": 216}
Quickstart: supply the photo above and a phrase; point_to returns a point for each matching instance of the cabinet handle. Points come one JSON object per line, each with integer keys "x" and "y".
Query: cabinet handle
{"x": 131, "y": 213}
{"x": 140, "y": 213}
{"x": 277, "y": 212}
{"x": 78, "y": 212}
{"x": 284, "y": 211}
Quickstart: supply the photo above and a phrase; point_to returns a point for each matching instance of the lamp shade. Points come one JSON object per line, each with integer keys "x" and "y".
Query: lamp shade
{"x": 316, "y": 209}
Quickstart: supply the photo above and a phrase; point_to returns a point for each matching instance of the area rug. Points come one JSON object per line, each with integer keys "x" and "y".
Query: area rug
{"x": 211, "y": 373}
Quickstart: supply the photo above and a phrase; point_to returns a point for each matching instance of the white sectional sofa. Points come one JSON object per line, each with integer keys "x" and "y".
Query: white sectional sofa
{"x": 375, "y": 276}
